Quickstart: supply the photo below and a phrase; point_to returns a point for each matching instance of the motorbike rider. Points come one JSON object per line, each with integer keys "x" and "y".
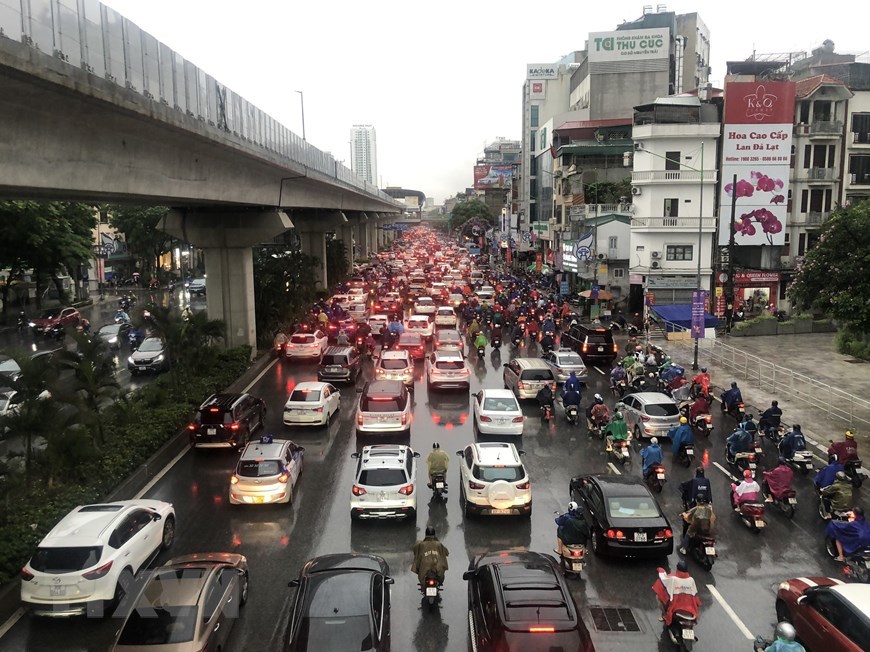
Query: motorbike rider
{"x": 702, "y": 381}
{"x": 697, "y": 521}
{"x": 437, "y": 462}
{"x": 745, "y": 492}
{"x": 597, "y": 412}
{"x": 676, "y": 592}
{"x": 749, "y": 425}
{"x": 792, "y": 442}
{"x": 785, "y": 635}
{"x": 187, "y": 313}
{"x": 545, "y": 397}
{"x": 480, "y": 341}
{"x": 429, "y": 555}
{"x": 738, "y": 441}
{"x": 731, "y": 397}
{"x": 572, "y": 530}
{"x": 533, "y": 330}
{"x": 572, "y": 383}
{"x": 777, "y": 481}
{"x": 680, "y": 436}
{"x": 617, "y": 374}
{"x": 771, "y": 417}
{"x": 616, "y": 430}
{"x": 651, "y": 456}
{"x": 827, "y": 474}
{"x": 548, "y": 325}
{"x": 846, "y": 450}
{"x": 850, "y": 536}
{"x": 396, "y": 327}
{"x": 342, "y": 339}
{"x": 280, "y": 341}
{"x": 121, "y": 316}
{"x": 630, "y": 345}
{"x": 637, "y": 370}
{"x": 570, "y": 397}
{"x": 699, "y": 406}
{"x": 838, "y": 495}
{"x": 547, "y": 341}
{"x": 691, "y": 489}
{"x": 518, "y": 333}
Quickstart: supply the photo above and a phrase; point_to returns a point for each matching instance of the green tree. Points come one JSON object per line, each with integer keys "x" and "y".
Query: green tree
{"x": 336, "y": 261}
{"x": 140, "y": 226}
{"x": 607, "y": 192}
{"x": 470, "y": 209}
{"x": 283, "y": 289}
{"x": 833, "y": 278}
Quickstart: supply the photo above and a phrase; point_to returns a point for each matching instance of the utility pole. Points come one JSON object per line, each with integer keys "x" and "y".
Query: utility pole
{"x": 302, "y": 105}
{"x": 700, "y": 244}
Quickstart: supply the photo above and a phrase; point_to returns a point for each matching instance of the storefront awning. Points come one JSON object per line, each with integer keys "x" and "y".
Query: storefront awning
{"x": 681, "y": 315}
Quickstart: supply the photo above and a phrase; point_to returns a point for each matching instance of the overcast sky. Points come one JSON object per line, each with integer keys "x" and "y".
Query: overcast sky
{"x": 439, "y": 80}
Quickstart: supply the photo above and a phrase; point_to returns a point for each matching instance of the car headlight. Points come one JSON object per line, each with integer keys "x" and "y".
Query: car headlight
{"x": 31, "y": 324}
{"x": 130, "y": 360}
{"x": 113, "y": 340}
{"x": 159, "y": 358}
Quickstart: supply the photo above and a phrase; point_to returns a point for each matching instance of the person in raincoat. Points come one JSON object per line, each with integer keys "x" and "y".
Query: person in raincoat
{"x": 681, "y": 435}
{"x": 430, "y": 555}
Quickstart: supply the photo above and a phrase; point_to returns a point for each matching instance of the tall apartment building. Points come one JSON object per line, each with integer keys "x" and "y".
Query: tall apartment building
{"x": 364, "y": 153}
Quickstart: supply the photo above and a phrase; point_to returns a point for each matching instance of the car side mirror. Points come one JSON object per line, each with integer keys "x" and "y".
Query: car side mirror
{"x": 359, "y": 390}
{"x": 521, "y": 452}
{"x": 416, "y": 454}
{"x": 355, "y": 455}
{"x": 469, "y": 575}
{"x": 459, "y": 453}
{"x": 801, "y": 599}
{"x": 389, "y": 581}
{"x": 157, "y": 517}
{"x": 293, "y": 583}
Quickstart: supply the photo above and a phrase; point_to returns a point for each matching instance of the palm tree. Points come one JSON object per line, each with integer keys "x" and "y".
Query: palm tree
{"x": 188, "y": 341}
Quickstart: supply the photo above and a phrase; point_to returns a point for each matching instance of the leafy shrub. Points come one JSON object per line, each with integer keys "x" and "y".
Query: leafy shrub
{"x": 853, "y": 344}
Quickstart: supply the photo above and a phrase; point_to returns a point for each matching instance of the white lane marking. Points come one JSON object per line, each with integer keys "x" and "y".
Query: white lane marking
{"x": 613, "y": 468}
{"x": 10, "y": 622}
{"x": 598, "y": 370}
{"x": 728, "y": 610}
{"x": 187, "y": 449}
{"x": 725, "y": 471}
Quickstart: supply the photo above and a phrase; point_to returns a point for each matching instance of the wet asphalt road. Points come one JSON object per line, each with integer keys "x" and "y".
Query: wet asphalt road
{"x": 279, "y": 539}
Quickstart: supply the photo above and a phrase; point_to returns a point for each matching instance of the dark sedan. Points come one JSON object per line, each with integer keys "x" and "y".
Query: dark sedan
{"x": 114, "y": 335}
{"x": 342, "y": 604}
{"x": 624, "y": 517}
{"x": 413, "y": 344}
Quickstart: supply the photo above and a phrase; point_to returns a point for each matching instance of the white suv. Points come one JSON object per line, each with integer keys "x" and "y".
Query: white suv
{"x": 447, "y": 369}
{"x": 385, "y": 483}
{"x": 493, "y": 480}
{"x": 384, "y": 407}
{"x": 91, "y": 557}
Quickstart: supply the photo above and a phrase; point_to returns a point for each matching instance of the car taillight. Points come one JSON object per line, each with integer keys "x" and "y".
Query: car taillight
{"x": 359, "y": 419}
{"x": 615, "y": 350}
{"x": 26, "y": 575}
{"x": 475, "y": 485}
{"x": 404, "y": 418}
{"x": 234, "y": 426}
{"x": 98, "y": 573}
{"x": 485, "y": 418}
{"x": 524, "y": 485}
{"x": 518, "y": 419}
{"x": 358, "y": 491}
{"x": 407, "y": 490}
{"x": 645, "y": 417}
{"x": 615, "y": 534}
{"x": 585, "y": 347}
{"x": 521, "y": 385}
{"x": 539, "y": 629}
{"x": 191, "y": 426}
{"x": 320, "y": 409}
{"x": 664, "y": 534}
{"x": 234, "y": 479}
{"x": 284, "y": 477}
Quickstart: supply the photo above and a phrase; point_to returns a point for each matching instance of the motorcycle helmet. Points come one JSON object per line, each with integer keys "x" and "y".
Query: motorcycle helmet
{"x": 654, "y": 441}
{"x": 598, "y": 398}
{"x": 699, "y": 472}
{"x": 617, "y": 416}
{"x": 733, "y": 385}
{"x": 572, "y": 507}
{"x": 703, "y": 370}
{"x": 684, "y": 420}
{"x": 682, "y": 566}
{"x": 774, "y": 403}
{"x": 430, "y": 531}
{"x": 841, "y": 475}
{"x": 619, "y": 364}
{"x": 796, "y": 426}
{"x": 785, "y": 631}
{"x": 747, "y": 474}
{"x": 849, "y": 434}
{"x": 701, "y": 497}
{"x": 436, "y": 445}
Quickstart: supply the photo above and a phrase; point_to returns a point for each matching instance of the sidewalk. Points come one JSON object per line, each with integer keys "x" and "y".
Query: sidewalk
{"x": 812, "y": 355}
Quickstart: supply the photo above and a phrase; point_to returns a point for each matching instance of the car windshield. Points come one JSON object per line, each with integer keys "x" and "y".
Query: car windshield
{"x": 661, "y": 409}
{"x": 215, "y": 417}
{"x": 493, "y": 473}
{"x": 446, "y": 312}
{"x": 65, "y": 560}
{"x": 332, "y": 359}
{"x": 109, "y": 329}
{"x": 569, "y": 359}
{"x": 382, "y": 477}
{"x": 302, "y": 339}
{"x": 9, "y": 365}
{"x": 599, "y": 338}
{"x": 48, "y": 314}
{"x": 305, "y": 395}
{"x": 258, "y": 468}
{"x": 500, "y": 405}
{"x": 449, "y": 364}
{"x": 151, "y": 345}
{"x": 394, "y": 363}
{"x": 418, "y": 323}
{"x": 161, "y": 625}
{"x": 632, "y": 507}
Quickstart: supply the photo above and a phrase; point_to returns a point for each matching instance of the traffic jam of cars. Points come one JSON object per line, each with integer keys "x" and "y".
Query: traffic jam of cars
{"x": 426, "y": 312}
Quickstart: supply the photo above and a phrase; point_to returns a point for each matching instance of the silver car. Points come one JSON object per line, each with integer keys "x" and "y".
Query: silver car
{"x": 385, "y": 483}
{"x": 650, "y": 414}
{"x": 563, "y": 362}
{"x": 447, "y": 369}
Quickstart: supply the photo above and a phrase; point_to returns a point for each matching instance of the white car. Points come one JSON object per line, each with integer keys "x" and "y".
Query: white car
{"x": 267, "y": 472}
{"x": 447, "y": 369}
{"x": 436, "y": 289}
{"x": 385, "y": 483}
{"x": 422, "y": 325}
{"x": 306, "y": 345}
{"x": 358, "y": 311}
{"x": 311, "y": 404}
{"x": 10, "y": 400}
{"x": 497, "y": 412}
{"x": 377, "y": 323}
{"x": 91, "y": 557}
{"x": 485, "y": 295}
{"x": 425, "y": 306}
{"x": 493, "y": 480}
{"x": 395, "y": 365}
{"x": 455, "y": 300}
{"x": 445, "y": 317}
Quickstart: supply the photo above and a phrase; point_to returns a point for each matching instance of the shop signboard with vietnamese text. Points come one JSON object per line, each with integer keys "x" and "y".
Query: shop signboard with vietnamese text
{"x": 699, "y": 303}
{"x": 569, "y": 260}
{"x": 630, "y": 45}
{"x": 756, "y": 149}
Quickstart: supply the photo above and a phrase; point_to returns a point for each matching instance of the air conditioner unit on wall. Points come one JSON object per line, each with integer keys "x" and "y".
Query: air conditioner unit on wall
{"x": 635, "y": 190}
{"x": 654, "y": 265}
{"x": 656, "y": 254}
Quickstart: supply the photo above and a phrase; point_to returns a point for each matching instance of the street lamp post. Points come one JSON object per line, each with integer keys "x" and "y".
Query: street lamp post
{"x": 302, "y": 106}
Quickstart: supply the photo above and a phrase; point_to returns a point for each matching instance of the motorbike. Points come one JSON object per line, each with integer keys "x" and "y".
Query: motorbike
{"x": 646, "y": 383}
{"x": 774, "y": 433}
{"x": 833, "y": 514}
{"x": 752, "y": 515}
{"x": 686, "y": 454}
{"x": 546, "y": 347}
{"x": 736, "y": 411}
{"x": 439, "y": 486}
{"x": 516, "y": 340}
{"x": 431, "y": 590}
{"x": 134, "y": 339}
{"x": 852, "y": 469}
{"x": 496, "y": 342}
{"x": 361, "y": 344}
{"x": 621, "y": 451}
{"x": 857, "y": 564}
{"x": 801, "y": 461}
{"x": 546, "y": 411}
{"x": 572, "y": 558}
{"x": 682, "y": 630}
{"x": 572, "y": 414}
{"x": 742, "y": 462}
{"x": 656, "y": 479}
{"x": 787, "y": 502}
{"x": 278, "y": 349}
{"x": 703, "y": 550}
{"x": 481, "y": 350}
{"x": 619, "y": 388}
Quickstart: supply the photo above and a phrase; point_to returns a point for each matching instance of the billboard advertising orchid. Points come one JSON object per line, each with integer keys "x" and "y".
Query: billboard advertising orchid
{"x": 757, "y": 149}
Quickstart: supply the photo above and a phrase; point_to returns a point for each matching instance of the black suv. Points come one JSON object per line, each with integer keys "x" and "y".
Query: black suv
{"x": 593, "y": 343}
{"x": 340, "y": 363}
{"x": 226, "y": 421}
{"x": 519, "y": 602}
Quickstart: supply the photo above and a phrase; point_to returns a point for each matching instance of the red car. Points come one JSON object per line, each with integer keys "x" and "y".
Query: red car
{"x": 54, "y": 316}
{"x": 828, "y": 614}
{"x": 413, "y": 344}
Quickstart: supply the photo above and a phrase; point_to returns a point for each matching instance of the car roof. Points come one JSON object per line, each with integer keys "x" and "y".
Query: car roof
{"x": 400, "y": 354}
{"x": 448, "y": 332}
{"x": 347, "y": 562}
{"x": 496, "y": 452}
{"x": 531, "y": 363}
{"x": 858, "y": 595}
{"x": 653, "y": 397}
{"x": 419, "y": 318}
{"x": 183, "y": 586}
{"x": 379, "y": 316}
{"x": 414, "y": 337}
{"x": 498, "y": 393}
{"x": 621, "y": 485}
{"x": 383, "y": 387}
{"x": 86, "y": 524}
{"x": 310, "y": 385}
{"x": 338, "y": 350}
{"x": 221, "y": 401}
{"x": 255, "y": 450}
{"x": 385, "y": 456}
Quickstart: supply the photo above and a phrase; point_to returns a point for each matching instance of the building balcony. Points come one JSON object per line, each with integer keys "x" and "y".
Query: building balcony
{"x": 689, "y": 224}
{"x": 672, "y": 176}
{"x": 820, "y": 129}
{"x": 810, "y": 218}
{"x": 816, "y": 175}
{"x": 861, "y": 137}
{"x": 859, "y": 179}
{"x": 586, "y": 211}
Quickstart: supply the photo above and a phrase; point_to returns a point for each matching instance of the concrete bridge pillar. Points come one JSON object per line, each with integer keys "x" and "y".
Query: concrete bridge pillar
{"x": 372, "y": 234}
{"x": 312, "y": 227}
{"x": 346, "y": 235}
{"x": 226, "y": 238}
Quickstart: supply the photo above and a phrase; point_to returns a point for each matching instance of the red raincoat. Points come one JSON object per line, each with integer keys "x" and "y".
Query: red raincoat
{"x": 677, "y": 592}
{"x": 779, "y": 480}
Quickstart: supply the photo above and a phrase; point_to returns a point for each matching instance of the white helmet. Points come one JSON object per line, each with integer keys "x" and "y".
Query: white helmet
{"x": 573, "y": 507}
{"x": 785, "y": 631}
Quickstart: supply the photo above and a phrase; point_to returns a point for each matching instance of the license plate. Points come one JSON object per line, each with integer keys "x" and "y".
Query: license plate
{"x": 792, "y": 501}
{"x": 500, "y": 511}
{"x": 431, "y": 591}
{"x": 640, "y": 536}
{"x": 689, "y": 634}
{"x": 600, "y": 349}
{"x": 257, "y": 499}
{"x": 759, "y": 523}
{"x": 57, "y": 591}
{"x": 333, "y": 368}
{"x": 625, "y": 452}
{"x": 710, "y": 551}
{"x": 439, "y": 485}
{"x": 690, "y": 451}
{"x": 752, "y": 466}
{"x": 211, "y": 431}
{"x": 577, "y": 566}
{"x": 660, "y": 476}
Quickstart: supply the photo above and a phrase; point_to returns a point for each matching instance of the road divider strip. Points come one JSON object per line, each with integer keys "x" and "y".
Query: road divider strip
{"x": 731, "y": 613}
{"x": 725, "y": 471}
{"x": 10, "y": 622}
{"x": 613, "y": 468}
